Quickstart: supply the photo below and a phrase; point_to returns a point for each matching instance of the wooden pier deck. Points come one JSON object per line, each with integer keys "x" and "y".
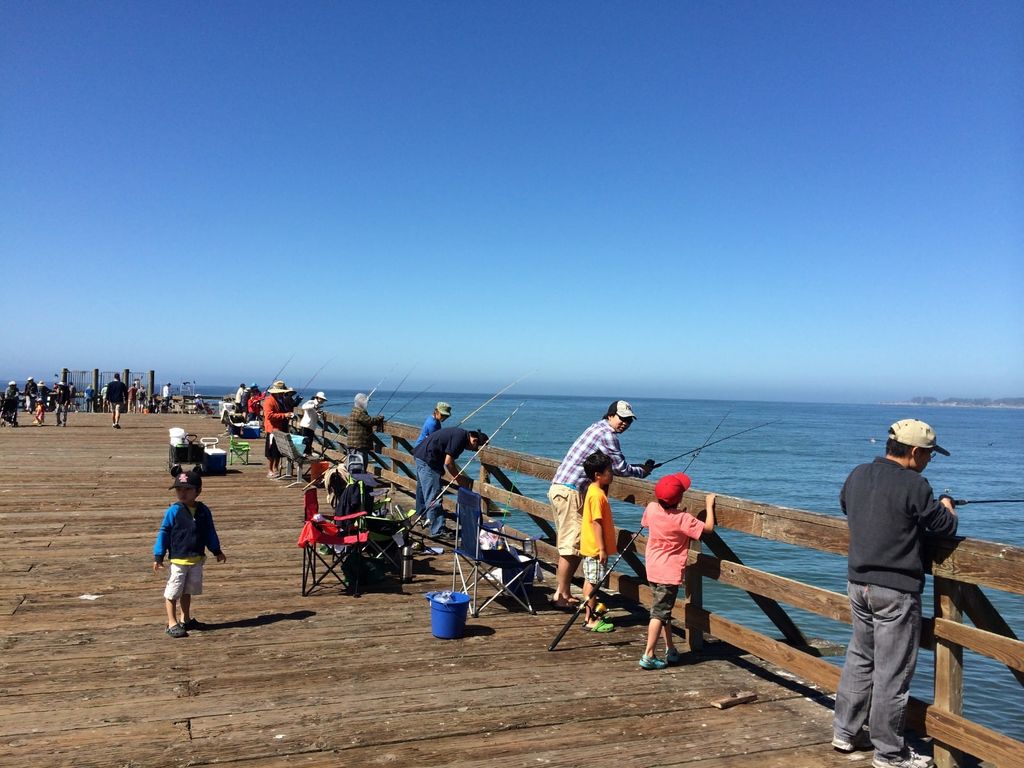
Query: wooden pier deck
{"x": 332, "y": 680}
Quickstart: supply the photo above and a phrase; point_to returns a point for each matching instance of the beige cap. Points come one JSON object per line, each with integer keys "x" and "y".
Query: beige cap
{"x": 915, "y": 433}
{"x": 279, "y": 387}
{"x": 443, "y": 408}
{"x": 624, "y": 410}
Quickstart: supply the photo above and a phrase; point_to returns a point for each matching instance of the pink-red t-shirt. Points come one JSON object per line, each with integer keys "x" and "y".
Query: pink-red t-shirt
{"x": 668, "y": 540}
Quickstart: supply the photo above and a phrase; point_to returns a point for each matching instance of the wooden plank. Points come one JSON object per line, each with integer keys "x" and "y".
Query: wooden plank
{"x": 714, "y": 542}
{"x": 823, "y": 602}
{"x": 740, "y": 697}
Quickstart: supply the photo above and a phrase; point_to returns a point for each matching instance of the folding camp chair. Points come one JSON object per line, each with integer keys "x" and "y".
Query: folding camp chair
{"x": 292, "y": 454}
{"x": 331, "y": 547}
{"x": 506, "y": 570}
{"x": 238, "y": 449}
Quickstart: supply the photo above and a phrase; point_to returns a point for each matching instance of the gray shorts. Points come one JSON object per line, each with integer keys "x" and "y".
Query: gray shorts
{"x": 184, "y": 580}
{"x": 593, "y": 570}
{"x": 664, "y": 598}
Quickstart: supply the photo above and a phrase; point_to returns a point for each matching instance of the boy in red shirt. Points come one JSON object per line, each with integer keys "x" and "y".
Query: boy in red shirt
{"x": 668, "y": 542}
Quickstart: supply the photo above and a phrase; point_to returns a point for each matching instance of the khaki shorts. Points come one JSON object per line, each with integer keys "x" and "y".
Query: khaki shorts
{"x": 568, "y": 517}
{"x": 184, "y": 580}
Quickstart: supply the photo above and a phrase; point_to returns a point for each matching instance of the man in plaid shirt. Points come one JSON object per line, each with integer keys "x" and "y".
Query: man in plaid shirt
{"x": 566, "y": 493}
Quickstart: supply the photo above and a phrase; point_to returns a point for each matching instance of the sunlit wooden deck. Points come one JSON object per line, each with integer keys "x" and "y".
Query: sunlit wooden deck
{"x": 278, "y": 679}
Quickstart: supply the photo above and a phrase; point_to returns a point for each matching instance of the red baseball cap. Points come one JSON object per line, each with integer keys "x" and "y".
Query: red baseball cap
{"x": 670, "y": 489}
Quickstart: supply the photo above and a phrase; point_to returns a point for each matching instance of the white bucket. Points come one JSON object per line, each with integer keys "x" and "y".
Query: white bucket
{"x": 177, "y": 436}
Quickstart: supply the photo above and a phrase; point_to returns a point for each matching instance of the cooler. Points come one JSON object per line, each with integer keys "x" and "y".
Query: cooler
{"x": 251, "y": 431}
{"x": 215, "y": 461}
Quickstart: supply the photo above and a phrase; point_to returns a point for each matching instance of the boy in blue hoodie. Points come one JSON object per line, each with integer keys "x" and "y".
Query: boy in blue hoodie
{"x": 186, "y": 532}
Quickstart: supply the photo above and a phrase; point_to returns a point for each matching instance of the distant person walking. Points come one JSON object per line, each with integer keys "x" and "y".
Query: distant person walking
{"x": 889, "y": 507}
{"x": 133, "y": 393}
{"x": 116, "y": 397}
{"x": 433, "y": 423}
{"x": 29, "y": 393}
{"x": 90, "y": 399}
{"x": 166, "y": 395}
{"x": 62, "y": 394}
{"x": 565, "y": 491}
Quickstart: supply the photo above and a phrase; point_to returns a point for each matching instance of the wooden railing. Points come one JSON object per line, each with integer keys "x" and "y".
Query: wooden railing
{"x": 960, "y": 568}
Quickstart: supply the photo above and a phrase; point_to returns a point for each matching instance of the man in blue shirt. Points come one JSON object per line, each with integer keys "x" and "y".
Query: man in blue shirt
{"x": 433, "y": 456}
{"x": 433, "y": 423}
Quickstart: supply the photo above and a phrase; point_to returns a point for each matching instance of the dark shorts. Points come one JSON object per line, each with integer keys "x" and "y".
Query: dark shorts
{"x": 270, "y": 448}
{"x": 664, "y": 598}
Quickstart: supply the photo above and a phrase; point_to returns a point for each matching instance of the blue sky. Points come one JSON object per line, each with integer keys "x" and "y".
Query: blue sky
{"x": 801, "y": 201}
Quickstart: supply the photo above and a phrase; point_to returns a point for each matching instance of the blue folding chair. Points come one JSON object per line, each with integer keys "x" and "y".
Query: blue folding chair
{"x": 505, "y": 570}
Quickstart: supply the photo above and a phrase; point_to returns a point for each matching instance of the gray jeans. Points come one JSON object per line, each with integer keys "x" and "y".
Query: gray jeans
{"x": 880, "y": 661}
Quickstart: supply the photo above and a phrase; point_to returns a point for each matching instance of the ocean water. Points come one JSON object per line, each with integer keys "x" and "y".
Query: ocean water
{"x": 800, "y": 461}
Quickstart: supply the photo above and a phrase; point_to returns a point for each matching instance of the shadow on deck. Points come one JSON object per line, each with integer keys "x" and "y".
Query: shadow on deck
{"x": 278, "y": 679}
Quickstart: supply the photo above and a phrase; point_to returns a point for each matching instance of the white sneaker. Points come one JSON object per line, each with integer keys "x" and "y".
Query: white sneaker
{"x": 859, "y": 742}
{"x": 910, "y": 760}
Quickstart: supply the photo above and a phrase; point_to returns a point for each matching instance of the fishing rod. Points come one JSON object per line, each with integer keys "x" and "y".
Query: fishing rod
{"x": 394, "y": 391}
{"x": 409, "y": 402}
{"x": 383, "y": 379}
{"x": 597, "y": 589}
{"x": 471, "y": 459}
{"x": 497, "y": 394}
{"x": 611, "y": 568}
{"x": 281, "y": 369}
{"x": 318, "y": 370}
{"x": 961, "y": 502}
{"x": 715, "y": 442}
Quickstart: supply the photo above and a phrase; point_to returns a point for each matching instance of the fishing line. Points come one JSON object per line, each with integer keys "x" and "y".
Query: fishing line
{"x": 281, "y": 370}
{"x": 716, "y": 442}
{"x": 706, "y": 443}
{"x": 394, "y": 391}
{"x": 409, "y": 402}
{"x": 318, "y": 370}
{"x": 498, "y": 393}
{"x": 383, "y": 379}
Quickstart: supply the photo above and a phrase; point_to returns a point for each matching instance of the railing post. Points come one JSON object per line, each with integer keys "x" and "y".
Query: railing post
{"x": 694, "y": 601}
{"x": 485, "y": 477}
{"x": 949, "y": 666}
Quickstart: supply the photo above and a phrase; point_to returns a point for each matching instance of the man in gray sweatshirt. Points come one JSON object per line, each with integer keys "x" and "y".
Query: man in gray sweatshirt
{"x": 890, "y": 507}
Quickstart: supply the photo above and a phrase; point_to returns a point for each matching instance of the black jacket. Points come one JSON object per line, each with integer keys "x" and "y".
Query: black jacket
{"x": 889, "y": 509}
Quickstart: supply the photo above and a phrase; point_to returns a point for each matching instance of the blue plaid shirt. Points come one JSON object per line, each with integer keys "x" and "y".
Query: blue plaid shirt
{"x": 597, "y": 437}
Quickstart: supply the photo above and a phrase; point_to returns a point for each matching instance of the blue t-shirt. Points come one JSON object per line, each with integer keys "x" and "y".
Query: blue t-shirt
{"x": 451, "y": 441}
{"x": 430, "y": 426}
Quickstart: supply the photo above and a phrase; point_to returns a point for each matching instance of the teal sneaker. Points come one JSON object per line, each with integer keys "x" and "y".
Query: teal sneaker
{"x": 672, "y": 656}
{"x": 651, "y": 662}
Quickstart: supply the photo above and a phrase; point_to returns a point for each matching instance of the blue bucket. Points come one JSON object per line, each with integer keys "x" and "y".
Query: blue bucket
{"x": 448, "y": 614}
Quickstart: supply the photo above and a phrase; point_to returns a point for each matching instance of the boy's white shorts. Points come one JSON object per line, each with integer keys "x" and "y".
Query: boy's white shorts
{"x": 184, "y": 580}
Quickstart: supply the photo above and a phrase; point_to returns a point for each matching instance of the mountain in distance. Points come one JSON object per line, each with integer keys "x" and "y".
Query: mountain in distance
{"x": 969, "y": 402}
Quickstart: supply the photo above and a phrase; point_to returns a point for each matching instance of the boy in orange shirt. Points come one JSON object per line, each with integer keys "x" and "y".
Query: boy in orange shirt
{"x": 597, "y": 535}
